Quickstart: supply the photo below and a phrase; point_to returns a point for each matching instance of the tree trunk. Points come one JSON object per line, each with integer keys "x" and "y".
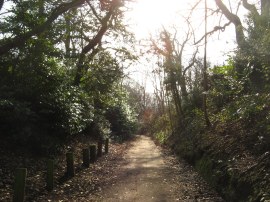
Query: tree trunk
{"x": 182, "y": 83}
{"x": 177, "y": 102}
{"x": 67, "y": 39}
{"x": 239, "y": 31}
{"x": 19, "y": 40}
{"x": 1, "y": 4}
{"x": 265, "y": 7}
{"x": 91, "y": 47}
{"x": 205, "y": 85}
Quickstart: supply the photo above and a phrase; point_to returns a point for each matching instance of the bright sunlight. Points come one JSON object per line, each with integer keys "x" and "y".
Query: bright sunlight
{"x": 150, "y": 15}
{"x": 147, "y": 17}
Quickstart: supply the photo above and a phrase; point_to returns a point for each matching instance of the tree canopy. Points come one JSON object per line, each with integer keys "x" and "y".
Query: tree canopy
{"x": 62, "y": 75}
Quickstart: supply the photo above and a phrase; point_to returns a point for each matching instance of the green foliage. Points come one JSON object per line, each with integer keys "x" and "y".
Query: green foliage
{"x": 68, "y": 108}
{"x": 123, "y": 120}
{"x": 39, "y": 104}
{"x": 160, "y": 128}
{"x": 194, "y": 123}
{"x": 205, "y": 167}
{"x": 253, "y": 62}
{"x": 45, "y": 108}
{"x": 225, "y": 69}
{"x": 161, "y": 137}
{"x": 229, "y": 96}
{"x": 101, "y": 125}
{"x": 224, "y": 85}
{"x": 113, "y": 115}
{"x": 249, "y": 106}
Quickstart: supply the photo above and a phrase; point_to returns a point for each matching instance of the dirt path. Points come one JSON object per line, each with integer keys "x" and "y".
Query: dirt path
{"x": 148, "y": 176}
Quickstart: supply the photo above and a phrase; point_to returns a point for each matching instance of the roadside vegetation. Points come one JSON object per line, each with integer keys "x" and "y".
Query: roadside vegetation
{"x": 62, "y": 67}
{"x": 217, "y": 117}
{"x": 59, "y": 78}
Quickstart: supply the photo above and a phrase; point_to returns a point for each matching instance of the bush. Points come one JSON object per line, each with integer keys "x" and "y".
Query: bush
{"x": 39, "y": 107}
{"x": 123, "y": 120}
{"x": 161, "y": 128}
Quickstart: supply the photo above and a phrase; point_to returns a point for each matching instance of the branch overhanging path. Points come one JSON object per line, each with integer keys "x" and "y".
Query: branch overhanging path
{"x": 19, "y": 40}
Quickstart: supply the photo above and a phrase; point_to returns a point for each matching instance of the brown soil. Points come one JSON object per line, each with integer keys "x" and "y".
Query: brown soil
{"x": 85, "y": 185}
{"x": 151, "y": 175}
{"x": 133, "y": 171}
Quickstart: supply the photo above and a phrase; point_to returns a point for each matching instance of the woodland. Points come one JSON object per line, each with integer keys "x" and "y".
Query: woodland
{"x": 62, "y": 79}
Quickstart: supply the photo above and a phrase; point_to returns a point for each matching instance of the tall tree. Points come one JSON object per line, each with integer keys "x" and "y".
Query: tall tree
{"x": 9, "y": 43}
{"x": 176, "y": 72}
{"x": 234, "y": 18}
{"x": 205, "y": 78}
{"x": 96, "y": 40}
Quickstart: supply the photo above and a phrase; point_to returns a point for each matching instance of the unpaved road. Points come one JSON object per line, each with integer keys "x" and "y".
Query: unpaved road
{"x": 148, "y": 176}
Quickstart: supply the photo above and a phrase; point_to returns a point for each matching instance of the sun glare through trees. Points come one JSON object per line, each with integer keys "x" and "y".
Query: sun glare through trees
{"x": 101, "y": 81}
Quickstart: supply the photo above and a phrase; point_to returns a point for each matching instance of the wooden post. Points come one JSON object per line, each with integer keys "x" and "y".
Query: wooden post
{"x": 93, "y": 153}
{"x": 86, "y": 157}
{"x": 70, "y": 164}
{"x": 106, "y": 145}
{"x": 19, "y": 186}
{"x": 50, "y": 175}
{"x": 99, "y": 152}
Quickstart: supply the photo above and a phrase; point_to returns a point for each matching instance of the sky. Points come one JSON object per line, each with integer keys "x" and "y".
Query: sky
{"x": 148, "y": 16}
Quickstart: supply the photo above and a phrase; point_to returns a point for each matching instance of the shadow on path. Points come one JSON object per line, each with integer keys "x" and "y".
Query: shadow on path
{"x": 148, "y": 177}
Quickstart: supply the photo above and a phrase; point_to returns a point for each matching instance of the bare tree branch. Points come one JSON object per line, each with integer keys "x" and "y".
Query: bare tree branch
{"x": 216, "y": 28}
{"x": 193, "y": 60}
{"x": 157, "y": 49}
{"x": 251, "y": 7}
{"x": 183, "y": 45}
{"x": 193, "y": 8}
{"x": 94, "y": 11}
{"x": 91, "y": 46}
{"x": 240, "y": 37}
